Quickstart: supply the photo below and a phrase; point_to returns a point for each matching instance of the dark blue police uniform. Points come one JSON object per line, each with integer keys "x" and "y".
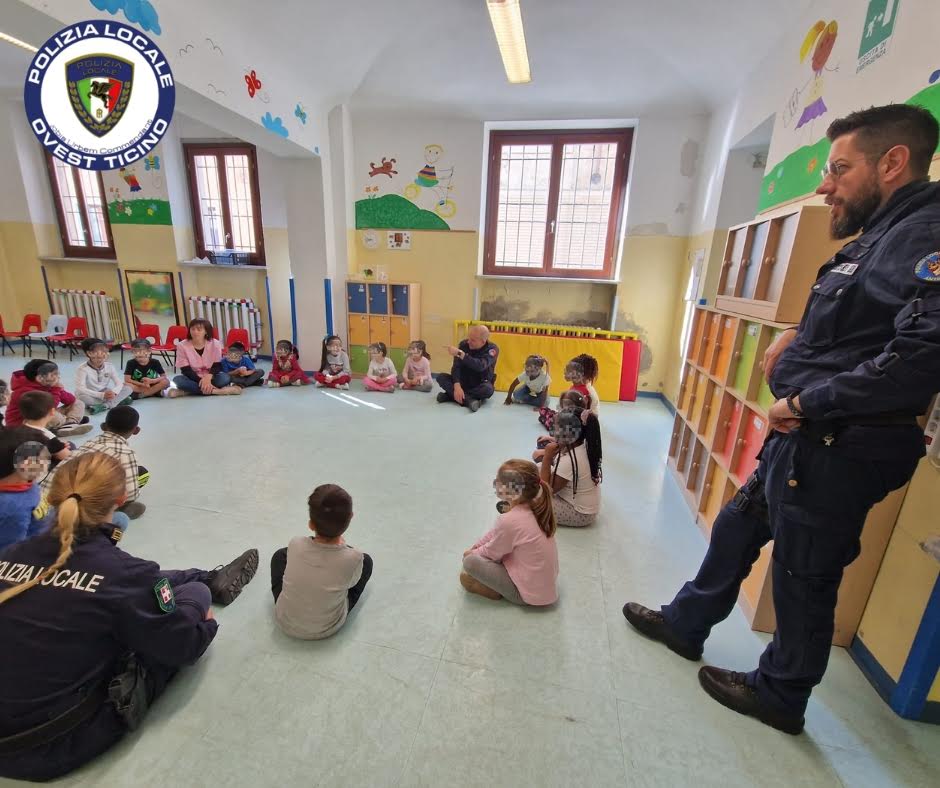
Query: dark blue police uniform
{"x": 65, "y": 639}
{"x": 865, "y": 362}
{"x": 475, "y": 372}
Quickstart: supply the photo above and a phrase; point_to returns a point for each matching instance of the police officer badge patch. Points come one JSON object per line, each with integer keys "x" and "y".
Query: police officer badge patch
{"x": 927, "y": 269}
{"x": 99, "y": 89}
{"x": 165, "y": 598}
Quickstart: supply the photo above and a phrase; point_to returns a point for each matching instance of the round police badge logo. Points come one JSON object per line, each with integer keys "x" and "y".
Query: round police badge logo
{"x": 927, "y": 269}
{"x": 99, "y": 95}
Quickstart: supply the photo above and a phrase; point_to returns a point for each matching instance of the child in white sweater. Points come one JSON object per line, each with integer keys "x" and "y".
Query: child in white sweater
{"x": 97, "y": 383}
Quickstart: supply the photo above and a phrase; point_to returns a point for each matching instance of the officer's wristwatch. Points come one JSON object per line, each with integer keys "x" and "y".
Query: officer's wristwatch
{"x": 797, "y": 413}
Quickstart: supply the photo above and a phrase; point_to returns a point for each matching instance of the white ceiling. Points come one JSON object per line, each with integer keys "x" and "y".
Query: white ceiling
{"x": 590, "y": 58}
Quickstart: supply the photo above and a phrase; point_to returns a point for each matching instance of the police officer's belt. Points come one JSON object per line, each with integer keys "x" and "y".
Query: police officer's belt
{"x": 58, "y": 726}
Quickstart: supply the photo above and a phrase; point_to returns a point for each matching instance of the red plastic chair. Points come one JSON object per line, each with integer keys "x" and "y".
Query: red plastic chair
{"x": 75, "y": 331}
{"x": 237, "y": 335}
{"x": 32, "y": 322}
{"x": 174, "y": 334}
{"x": 149, "y": 331}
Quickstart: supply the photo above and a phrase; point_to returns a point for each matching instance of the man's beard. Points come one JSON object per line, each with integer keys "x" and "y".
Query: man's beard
{"x": 857, "y": 213}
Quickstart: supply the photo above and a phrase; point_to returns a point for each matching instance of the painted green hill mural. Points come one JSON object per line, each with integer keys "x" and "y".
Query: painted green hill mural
{"x": 394, "y": 212}
{"x": 140, "y": 211}
{"x": 799, "y": 173}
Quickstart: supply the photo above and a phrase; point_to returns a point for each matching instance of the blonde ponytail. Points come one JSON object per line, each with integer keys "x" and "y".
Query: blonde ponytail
{"x": 84, "y": 491}
{"x": 536, "y": 494}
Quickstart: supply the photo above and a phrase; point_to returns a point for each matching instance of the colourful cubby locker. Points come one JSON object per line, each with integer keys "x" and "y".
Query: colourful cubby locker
{"x": 357, "y": 309}
{"x": 725, "y": 349}
{"x": 755, "y": 428}
{"x": 732, "y": 411}
{"x": 764, "y": 396}
{"x": 746, "y": 357}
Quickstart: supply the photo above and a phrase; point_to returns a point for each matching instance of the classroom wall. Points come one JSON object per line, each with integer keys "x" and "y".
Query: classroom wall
{"x": 664, "y": 167}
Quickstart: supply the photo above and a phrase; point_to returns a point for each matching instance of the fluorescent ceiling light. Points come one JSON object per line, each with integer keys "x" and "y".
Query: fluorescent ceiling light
{"x": 506, "y": 16}
{"x": 17, "y": 43}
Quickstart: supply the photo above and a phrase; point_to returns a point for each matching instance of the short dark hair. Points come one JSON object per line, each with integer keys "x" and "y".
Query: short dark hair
{"x": 330, "y": 509}
{"x": 36, "y": 404}
{"x": 237, "y": 346}
{"x": 39, "y": 366}
{"x": 878, "y": 129}
{"x": 122, "y": 420}
{"x": 10, "y": 440}
{"x": 91, "y": 343}
{"x": 141, "y": 342}
{"x": 200, "y": 321}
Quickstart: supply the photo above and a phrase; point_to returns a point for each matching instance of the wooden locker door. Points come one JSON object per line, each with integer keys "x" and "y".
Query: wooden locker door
{"x": 711, "y": 413}
{"x": 356, "y": 298}
{"x": 358, "y": 329}
{"x": 400, "y": 331}
{"x": 712, "y": 342}
{"x": 379, "y": 329}
{"x": 725, "y": 347}
{"x": 753, "y": 437}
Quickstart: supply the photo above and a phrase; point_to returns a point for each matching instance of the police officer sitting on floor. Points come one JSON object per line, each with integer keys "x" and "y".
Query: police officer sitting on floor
{"x": 473, "y": 373}
{"x": 850, "y": 381}
{"x": 92, "y": 635}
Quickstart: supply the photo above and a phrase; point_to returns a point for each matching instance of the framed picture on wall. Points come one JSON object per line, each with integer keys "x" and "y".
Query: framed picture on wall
{"x": 152, "y": 296}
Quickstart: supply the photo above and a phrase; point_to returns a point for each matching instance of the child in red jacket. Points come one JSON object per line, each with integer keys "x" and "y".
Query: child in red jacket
{"x": 285, "y": 368}
{"x": 39, "y": 375}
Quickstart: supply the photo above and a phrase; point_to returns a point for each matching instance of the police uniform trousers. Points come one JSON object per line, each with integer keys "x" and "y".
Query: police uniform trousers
{"x": 811, "y": 493}
{"x": 104, "y": 728}
{"x": 481, "y": 391}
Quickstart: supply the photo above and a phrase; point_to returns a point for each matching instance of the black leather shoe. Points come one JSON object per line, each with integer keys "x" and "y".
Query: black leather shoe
{"x": 729, "y": 688}
{"x": 226, "y": 582}
{"x": 652, "y": 624}
{"x": 443, "y": 396}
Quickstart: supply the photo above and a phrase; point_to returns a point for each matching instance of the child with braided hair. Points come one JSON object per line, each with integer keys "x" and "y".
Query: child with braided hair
{"x": 91, "y": 634}
{"x": 571, "y": 465}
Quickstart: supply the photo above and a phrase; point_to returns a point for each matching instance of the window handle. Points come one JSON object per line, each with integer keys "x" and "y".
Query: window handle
{"x": 551, "y": 226}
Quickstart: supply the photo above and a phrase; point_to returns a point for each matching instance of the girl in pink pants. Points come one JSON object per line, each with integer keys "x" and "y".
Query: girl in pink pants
{"x": 382, "y": 375}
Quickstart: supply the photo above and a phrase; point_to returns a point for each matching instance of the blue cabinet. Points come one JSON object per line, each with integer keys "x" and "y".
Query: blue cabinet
{"x": 400, "y": 300}
{"x": 356, "y": 298}
{"x": 378, "y": 299}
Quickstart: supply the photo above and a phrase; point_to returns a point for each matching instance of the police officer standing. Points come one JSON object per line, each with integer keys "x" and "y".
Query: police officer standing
{"x": 92, "y": 635}
{"x": 473, "y": 373}
{"x": 850, "y": 381}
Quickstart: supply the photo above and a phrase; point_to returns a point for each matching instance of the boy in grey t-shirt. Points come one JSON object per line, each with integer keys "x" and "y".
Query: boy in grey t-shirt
{"x": 316, "y": 580}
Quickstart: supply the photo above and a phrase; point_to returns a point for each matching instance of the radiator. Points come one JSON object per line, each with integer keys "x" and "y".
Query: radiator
{"x": 228, "y": 313}
{"x": 101, "y": 311}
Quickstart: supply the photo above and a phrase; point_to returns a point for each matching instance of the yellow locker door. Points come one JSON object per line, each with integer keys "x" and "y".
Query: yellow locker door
{"x": 358, "y": 329}
{"x": 400, "y": 331}
{"x": 379, "y": 329}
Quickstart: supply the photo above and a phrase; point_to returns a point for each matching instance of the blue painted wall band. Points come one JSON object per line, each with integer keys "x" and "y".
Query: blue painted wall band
{"x": 923, "y": 660}
{"x": 293, "y": 314}
{"x": 328, "y": 304}
{"x": 267, "y": 292}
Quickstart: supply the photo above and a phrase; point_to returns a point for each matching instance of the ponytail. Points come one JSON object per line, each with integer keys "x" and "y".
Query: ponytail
{"x": 84, "y": 491}
{"x": 536, "y": 493}
{"x": 543, "y": 509}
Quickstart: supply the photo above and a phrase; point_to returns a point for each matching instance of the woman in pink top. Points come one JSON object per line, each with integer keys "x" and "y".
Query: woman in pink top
{"x": 518, "y": 559}
{"x": 199, "y": 359}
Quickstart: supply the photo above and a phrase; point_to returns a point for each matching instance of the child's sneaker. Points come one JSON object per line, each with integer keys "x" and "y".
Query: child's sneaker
{"x": 72, "y": 429}
{"x": 297, "y": 383}
{"x": 273, "y": 384}
{"x": 344, "y": 386}
{"x": 174, "y": 392}
{"x": 166, "y": 392}
{"x": 94, "y": 410}
{"x": 319, "y": 385}
{"x": 126, "y": 400}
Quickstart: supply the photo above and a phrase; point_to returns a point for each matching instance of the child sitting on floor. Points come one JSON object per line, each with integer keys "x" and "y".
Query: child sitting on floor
{"x": 240, "y": 368}
{"x": 589, "y": 372}
{"x": 4, "y": 397}
{"x": 517, "y": 560}
{"x": 571, "y": 466}
{"x": 23, "y": 460}
{"x": 535, "y": 382}
{"x": 38, "y": 409}
{"x": 381, "y": 375}
{"x": 97, "y": 382}
{"x": 119, "y": 426}
{"x": 40, "y": 375}
{"x": 316, "y": 580}
{"x": 334, "y": 369}
{"x": 285, "y": 366}
{"x": 569, "y": 400}
{"x": 416, "y": 374}
{"x": 144, "y": 374}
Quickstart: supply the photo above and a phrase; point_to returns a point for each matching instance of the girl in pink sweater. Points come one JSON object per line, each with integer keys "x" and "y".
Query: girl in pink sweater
{"x": 518, "y": 559}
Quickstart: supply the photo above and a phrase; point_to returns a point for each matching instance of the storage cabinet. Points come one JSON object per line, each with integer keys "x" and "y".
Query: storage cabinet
{"x": 381, "y": 312}
{"x": 770, "y": 263}
{"x": 719, "y": 428}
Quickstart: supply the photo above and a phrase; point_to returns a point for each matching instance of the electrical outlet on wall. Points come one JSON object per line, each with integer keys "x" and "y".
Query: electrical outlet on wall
{"x": 398, "y": 239}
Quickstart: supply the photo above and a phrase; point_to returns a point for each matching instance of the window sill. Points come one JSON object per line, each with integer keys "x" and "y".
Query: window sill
{"x": 188, "y": 264}
{"x": 576, "y": 279}
{"x": 94, "y": 260}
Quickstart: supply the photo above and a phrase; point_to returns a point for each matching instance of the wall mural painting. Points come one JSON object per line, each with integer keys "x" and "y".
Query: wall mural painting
{"x": 138, "y": 12}
{"x": 424, "y": 203}
{"x": 137, "y": 194}
{"x": 300, "y": 113}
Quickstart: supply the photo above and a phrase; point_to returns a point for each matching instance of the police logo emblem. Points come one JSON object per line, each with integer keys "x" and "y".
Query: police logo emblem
{"x": 99, "y": 90}
{"x": 99, "y": 95}
{"x": 927, "y": 269}
{"x": 165, "y": 598}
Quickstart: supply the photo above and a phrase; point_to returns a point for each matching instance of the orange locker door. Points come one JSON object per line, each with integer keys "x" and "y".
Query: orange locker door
{"x": 726, "y": 449}
{"x": 753, "y": 435}
{"x": 400, "y": 331}
{"x": 358, "y": 329}
{"x": 725, "y": 347}
{"x": 379, "y": 329}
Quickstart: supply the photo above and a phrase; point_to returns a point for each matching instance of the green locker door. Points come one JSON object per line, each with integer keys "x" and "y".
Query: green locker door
{"x": 764, "y": 398}
{"x": 359, "y": 359}
{"x": 742, "y": 376}
{"x": 398, "y": 356}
